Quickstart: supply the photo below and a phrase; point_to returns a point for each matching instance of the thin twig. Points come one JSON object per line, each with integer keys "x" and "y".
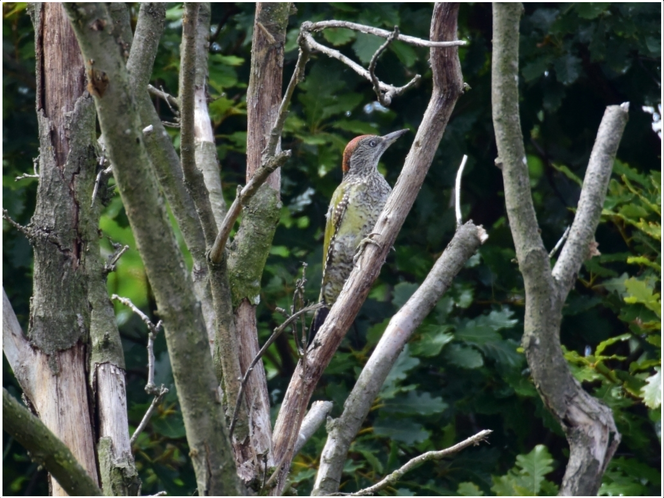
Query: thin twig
{"x": 277, "y": 332}
{"x": 146, "y": 418}
{"x": 153, "y": 329}
{"x": 298, "y": 303}
{"x": 282, "y": 114}
{"x": 172, "y": 102}
{"x": 560, "y": 242}
{"x": 411, "y": 40}
{"x": 102, "y": 172}
{"x": 417, "y": 461}
{"x": 113, "y": 258}
{"x": 457, "y": 192}
{"x": 150, "y": 387}
{"x": 335, "y": 54}
{"x": 24, "y": 230}
{"x": 35, "y": 162}
{"x": 127, "y": 302}
{"x": 385, "y": 99}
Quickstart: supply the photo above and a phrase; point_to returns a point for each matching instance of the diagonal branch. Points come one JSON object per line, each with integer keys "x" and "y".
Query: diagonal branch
{"x": 395, "y": 476}
{"x": 593, "y": 193}
{"x": 275, "y": 334}
{"x": 17, "y": 349}
{"x": 403, "y": 324}
{"x": 448, "y": 86}
{"x": 270, "y": 162}
{"x": 45, "y": 448}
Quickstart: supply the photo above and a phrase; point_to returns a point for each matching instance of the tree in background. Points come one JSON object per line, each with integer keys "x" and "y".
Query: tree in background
{"x": 461, "y": 371}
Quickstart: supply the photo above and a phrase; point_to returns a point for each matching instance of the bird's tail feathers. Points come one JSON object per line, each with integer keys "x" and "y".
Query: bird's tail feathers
{"x": 319, "y": 319}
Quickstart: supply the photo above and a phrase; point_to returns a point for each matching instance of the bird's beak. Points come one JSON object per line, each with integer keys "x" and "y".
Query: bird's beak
{"x": 390, "y": 138}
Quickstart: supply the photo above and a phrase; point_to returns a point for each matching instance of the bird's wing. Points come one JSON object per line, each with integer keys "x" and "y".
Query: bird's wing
{"x": 335, "y": 214}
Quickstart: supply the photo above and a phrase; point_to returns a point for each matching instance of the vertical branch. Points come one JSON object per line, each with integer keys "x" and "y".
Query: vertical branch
{"x": 254, "y": 237}
{"x": 163, "y": 157}
{"x": 588, "y": 423}
{"x": 59, "y": 320}
{"x": 193, "y": 177}
{"x": 206, "y": 151}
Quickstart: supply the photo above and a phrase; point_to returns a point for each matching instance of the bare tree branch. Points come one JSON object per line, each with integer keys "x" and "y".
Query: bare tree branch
{"x": 35, "y": 166}
{"x": 148, "y": 414}
{"x": 588, "y": 423}
{"x": 206, "y": 149}
{"x": 395, "y": 476}
{"x": 271, "y": 161}
{"x": 593, "y": 193}
{"x": 173, "y": 103}
{"x": 276, "y": 333}
{"x": 193, "y": 177}
{"x": 385, "y": 99}
{"x": 335, "y": 54}
{"x": 27, "y": 231}
{"x": 312, "y": 421}
{"x": 183, "y": 321}
{"x": 17, "y": 349}
{"x": 560, "y": 242}
{"x": 457, "y": 192}
{"x": 243, "y": 196}
{"x": 401, "y": 327}
{"x": 370, "y": 30}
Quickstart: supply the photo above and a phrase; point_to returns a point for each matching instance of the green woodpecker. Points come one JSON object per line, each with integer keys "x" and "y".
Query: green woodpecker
{"x": 353, "y": 211}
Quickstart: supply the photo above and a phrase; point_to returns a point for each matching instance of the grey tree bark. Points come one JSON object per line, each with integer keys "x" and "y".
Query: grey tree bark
{"x": 588, "y": 423}
{"x": 184, "y": 326}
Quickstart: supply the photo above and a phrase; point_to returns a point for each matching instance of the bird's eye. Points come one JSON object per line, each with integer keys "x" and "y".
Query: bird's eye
{"x": 372, "y": 143}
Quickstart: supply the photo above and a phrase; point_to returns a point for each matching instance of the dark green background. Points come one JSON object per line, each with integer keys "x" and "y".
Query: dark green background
{"x": 462, "y": 372}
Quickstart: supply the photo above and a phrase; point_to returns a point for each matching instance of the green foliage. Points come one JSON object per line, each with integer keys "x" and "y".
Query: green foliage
{"x": 526, "y": 478}
{"x": 462, "y": 370}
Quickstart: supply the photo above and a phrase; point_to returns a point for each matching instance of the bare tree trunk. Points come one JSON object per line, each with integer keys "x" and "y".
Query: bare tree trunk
{"x": 59, "y": 321}
{"x": 253, "y": 442}
{"x": 587, "y": 422}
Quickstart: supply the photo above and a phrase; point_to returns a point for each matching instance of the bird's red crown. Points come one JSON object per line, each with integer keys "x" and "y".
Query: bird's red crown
{"x": 348, "y": 151}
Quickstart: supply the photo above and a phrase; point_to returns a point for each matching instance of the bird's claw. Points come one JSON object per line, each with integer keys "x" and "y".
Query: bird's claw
{"x": 360, "y": 247}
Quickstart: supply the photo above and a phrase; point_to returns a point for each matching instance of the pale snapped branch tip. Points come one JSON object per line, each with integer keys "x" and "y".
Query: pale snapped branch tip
{"x": 457, "y": 191}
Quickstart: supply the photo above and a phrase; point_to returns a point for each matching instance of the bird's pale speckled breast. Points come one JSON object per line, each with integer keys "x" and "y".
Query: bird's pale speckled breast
{"x": 367, "y": 198}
